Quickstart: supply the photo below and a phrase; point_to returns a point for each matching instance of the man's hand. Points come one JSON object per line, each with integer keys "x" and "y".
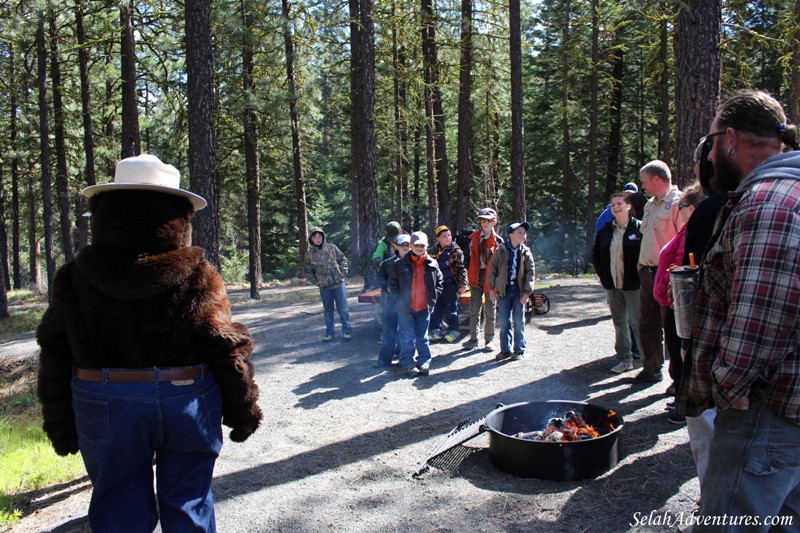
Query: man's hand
{"x": 461, "y": 290}
{"x": 524, "y": 299}
{"x": 492, "y": 296}
{"x": 742, "y": 403}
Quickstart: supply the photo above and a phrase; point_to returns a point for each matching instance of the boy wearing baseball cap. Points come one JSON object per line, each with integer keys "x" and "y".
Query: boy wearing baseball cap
{"x": 417, "y": 281}
{"x": 510, "y": 280}
{"x": 389, "y": 336}
{"x": 483, "y": 243}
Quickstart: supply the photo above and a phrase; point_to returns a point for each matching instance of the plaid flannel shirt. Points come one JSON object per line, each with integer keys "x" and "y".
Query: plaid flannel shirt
{"x": 746, "y": 332}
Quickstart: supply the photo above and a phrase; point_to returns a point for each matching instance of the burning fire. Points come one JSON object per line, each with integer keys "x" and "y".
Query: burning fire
{"x": 568, "y": 429}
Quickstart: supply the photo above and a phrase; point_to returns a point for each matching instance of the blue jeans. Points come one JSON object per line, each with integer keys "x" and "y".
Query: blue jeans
{"x": 510, "y": 309}
{"x": 389, "y": 335}
{"x": 338, "y": 296}
{"x": 446, "y": 309}
{"x": 414, "y": 337}
{"x": 753, "y": 469}
{"x": 121, "y": 426}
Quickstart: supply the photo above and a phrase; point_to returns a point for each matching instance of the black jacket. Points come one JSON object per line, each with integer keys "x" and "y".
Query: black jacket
{"x": 601, "y": 255}
{"x": 401, "y": 279}
{"x": 700, "y": 226}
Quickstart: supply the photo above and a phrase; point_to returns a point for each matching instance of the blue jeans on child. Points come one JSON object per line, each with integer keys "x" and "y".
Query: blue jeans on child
{"x": 510, "y": 309}
{"x": 121, "y": 426}
{"x": 446, "y": 309}
{"x": 389, "y": 335}
{"x": 337, "y": 296}
{"x": 414, "y": 335}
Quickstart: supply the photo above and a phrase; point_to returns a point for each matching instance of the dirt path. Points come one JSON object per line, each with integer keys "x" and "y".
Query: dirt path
{"x": 341, "y": 440}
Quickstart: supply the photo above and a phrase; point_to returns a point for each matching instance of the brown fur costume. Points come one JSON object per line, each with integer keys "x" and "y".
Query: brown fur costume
{"x": 139, "y": 297}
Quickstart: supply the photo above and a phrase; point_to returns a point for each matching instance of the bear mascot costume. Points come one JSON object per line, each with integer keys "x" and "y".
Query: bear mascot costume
{"x": 140, "y": 358}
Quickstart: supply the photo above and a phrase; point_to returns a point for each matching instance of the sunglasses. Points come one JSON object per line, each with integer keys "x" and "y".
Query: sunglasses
{"x": 682, "y": 206}
{"x": 710, "y": 137}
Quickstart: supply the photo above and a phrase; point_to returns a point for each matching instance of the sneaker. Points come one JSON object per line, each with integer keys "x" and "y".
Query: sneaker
{"x": 327, "y": 338}
{"x": 412, "y": 371}
{"x": 517, "y": 356}
{"x": 676, "y": 419}
{"x": 347, "y": 336}
{"x": 436, "y": 335}
{"x": 670, "y": 405}
{"x": 621, "y": 367}
{"x": 502, "y": 355}
{"x": 424, "y": 370}
{"x": 452, "y": 336}
{"x": 646, "y": 377}
{"x": 471, "y": 343}
{"x": 489, "y": 346}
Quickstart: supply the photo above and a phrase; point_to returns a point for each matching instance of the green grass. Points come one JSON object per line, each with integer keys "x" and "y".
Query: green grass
{"x": 22, "y": 320}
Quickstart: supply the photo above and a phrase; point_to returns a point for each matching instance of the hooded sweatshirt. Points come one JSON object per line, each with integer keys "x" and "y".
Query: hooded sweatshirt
{"x": 325, "y": 265}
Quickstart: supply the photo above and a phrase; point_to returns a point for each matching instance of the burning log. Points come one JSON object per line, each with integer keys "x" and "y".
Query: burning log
{"x": 568, "y": 429}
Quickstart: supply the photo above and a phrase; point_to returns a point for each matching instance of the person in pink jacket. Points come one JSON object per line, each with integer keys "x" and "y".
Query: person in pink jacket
{"x": 672, "y": 254}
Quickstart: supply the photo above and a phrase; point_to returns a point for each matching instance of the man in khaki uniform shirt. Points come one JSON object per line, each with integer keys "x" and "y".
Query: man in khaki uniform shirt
{"x": 659, "y": 225}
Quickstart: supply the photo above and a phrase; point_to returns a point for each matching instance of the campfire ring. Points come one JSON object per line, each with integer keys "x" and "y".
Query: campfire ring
{"x": 559, "y": 461}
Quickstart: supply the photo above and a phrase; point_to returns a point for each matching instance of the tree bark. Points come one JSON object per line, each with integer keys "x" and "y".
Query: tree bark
{"x": 251, "y": 158}
{"x": 44, "y": 156}
{"x": 466, "y": 132}
{"x": 517, "y": 126}
{"x": 131, "y": 143}
{"x": 297, "y": 141}
{"x": 794, "y": 98}
{"x": 202, "y": 138}
{"x": 5, "y": 280}
{"x": 86, "y": 112}
{"x": 612, "y": 183}
{"x": 593, "y": 129}
{"x": 400, "y": 123}
{"x": 697, "y": 78}
{"x": 566, "y": 171}
{"x": 62, "y": 178}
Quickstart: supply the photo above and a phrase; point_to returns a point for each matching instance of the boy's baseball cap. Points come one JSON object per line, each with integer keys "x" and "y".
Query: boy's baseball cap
{"x": 488, "y": 213}
{"x": 630, "y": 187}
{"x": 441, "y": 229}
{"x": 419, "y": 237}
{"x": 515, "y": 225}
{"x": 403, "y": 238}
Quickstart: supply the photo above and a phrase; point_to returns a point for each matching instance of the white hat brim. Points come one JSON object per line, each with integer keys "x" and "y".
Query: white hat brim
{"x": 198, "y": 202}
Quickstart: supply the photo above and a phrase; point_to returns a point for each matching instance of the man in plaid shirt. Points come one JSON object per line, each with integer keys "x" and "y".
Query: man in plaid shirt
{"x": 744, "y": 353}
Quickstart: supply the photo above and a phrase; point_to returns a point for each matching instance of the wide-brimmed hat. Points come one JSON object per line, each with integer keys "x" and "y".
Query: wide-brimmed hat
{"x": 147, "y": 173}
{"x": 488, "y": 213}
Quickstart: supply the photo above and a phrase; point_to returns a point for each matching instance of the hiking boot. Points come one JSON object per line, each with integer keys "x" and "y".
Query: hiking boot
{"x": 676, "y": 419}
{"x": 517, "y": 356}
{"x": 471, "y": 343}
{"x": 502, "y": 355}
{"x": 489, "y": 346}
{"x": 436, "y": 335}
{"x": 425, "y": 369}
{"x": 412, "y": 371}
{"x": 347, "y": 336}
{"x": 327, "y": 338}
{"x": 646, "y": 377}
{"x": 621, "y": 367}
{"x": 452, "y": 336}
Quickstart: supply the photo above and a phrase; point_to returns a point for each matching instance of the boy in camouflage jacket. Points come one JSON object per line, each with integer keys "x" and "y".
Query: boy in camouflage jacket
{"x": 326, "y": 267}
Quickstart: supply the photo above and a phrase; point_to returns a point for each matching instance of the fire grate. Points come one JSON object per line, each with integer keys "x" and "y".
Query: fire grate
{"x": 449, "y": 453}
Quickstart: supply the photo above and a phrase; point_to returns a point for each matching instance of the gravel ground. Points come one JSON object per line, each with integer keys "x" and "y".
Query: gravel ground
{"x": 341, "y": 440}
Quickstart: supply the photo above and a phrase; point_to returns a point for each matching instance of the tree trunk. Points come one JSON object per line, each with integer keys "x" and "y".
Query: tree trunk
{"x": 15, "y": 192}
{"x": 400, "y": 123}
{"x": 356, "y": 104}
{"x": 517, "y": 126}
{"x": 697, "y": 80}
{"x": 663, "y": 57}
{"x": 615, "y": 123}
{"x": 88, "y": 137}
{"x": 202, "y": 138}
{"x": 466, "y": 131}
{"x": 251, "y": 156}
{"x": 438, "y": 173}
{"x": 566, "y": 171}
{"x": 593, "y": 129}
{"x": 363, "y": 136}
{"x": 131, "y": 144}
{"x": 44, "y": 156}
{"x": 5, "y": 280}
{"x": 34, "y": 271}
{"x": 3, "y": 294}
{"x": 297, "y": 141}
{"x": 62, "y": 178}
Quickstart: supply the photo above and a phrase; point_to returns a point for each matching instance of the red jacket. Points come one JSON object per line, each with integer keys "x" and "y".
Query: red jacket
{"x": 492, "y": 243}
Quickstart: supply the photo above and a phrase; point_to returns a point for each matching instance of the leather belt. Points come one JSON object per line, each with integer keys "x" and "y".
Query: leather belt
{"x": 140, "y": 375}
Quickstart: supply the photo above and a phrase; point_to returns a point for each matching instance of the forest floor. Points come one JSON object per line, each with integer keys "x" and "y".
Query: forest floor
{"x": 341, "y": 440}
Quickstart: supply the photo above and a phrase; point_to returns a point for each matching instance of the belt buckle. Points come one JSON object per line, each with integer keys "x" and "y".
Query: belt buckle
{"x": 182, "y": 382}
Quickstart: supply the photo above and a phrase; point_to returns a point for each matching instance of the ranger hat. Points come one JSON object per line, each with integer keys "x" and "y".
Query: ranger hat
{"x": 488, "y": 213}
